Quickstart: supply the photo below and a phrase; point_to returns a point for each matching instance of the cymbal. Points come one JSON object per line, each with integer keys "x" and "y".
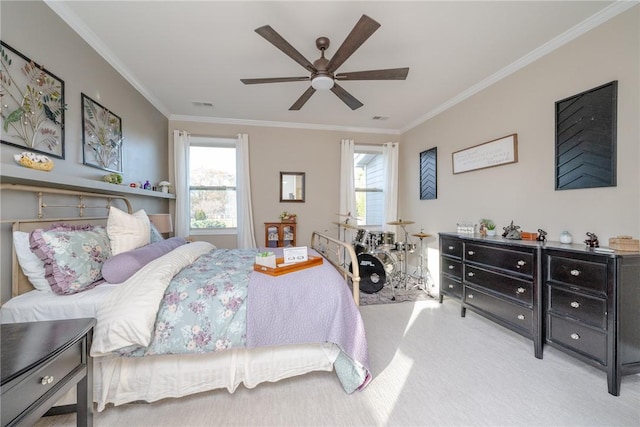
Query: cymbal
{"x": 422, "y": 235}
{"x": 400, "y": 222}
{"x": 346, "y": 225}
{"x": 347, "y": 215}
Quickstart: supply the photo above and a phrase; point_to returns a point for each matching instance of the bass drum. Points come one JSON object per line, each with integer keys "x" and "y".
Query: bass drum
{"x": 374, "y": 269}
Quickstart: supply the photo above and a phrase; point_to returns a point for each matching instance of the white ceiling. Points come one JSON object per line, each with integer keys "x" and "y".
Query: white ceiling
{"x": 177, "y": 52}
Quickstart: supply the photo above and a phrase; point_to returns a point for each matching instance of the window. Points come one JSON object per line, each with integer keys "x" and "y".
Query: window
{"x": 212, "y": 185}
{"x": 369, "y": 183}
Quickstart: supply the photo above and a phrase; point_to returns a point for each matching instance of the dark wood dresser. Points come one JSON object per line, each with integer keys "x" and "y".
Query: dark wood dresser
{"x": 583, "y": 302}
{"x": 41, "y": 361}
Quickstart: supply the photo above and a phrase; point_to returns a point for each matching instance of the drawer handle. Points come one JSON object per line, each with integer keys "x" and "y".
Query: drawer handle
{"x": 520, "y": 290}
{"x": 450, "y": 248}
{"x": 520, "y": 316}
{"x": 575, "y": 304}
{"x": 451, "y": 267}
{"x": 470, "y": 296}
{"x": 575, "y": 336}
{"x": 575, "y": 272}
{"x": 47, "y": 379}
{"x": 450, "y": 286}
{"x": 471, "y": 252}
{"x": 471, "y": 274}
{"x": 521, "y": 263}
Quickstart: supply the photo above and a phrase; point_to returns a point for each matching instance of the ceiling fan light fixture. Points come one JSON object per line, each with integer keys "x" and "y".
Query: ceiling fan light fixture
{"x": 322, "y": 82}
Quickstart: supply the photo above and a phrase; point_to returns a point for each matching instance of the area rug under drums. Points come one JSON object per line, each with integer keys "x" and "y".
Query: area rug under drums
{"x": 386, "y": 294}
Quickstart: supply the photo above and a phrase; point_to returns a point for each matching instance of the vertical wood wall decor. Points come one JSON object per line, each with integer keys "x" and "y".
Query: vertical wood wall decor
{"x": 428, "y": 174}
{"x": 586, "y": 139}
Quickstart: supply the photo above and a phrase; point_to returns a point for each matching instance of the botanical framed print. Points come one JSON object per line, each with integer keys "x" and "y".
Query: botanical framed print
{"x": 32, "y": 104}
{"x": 101, "y": 136}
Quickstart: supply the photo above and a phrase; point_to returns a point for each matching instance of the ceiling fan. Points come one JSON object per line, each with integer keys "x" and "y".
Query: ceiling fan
{"x": 323, "y": 71}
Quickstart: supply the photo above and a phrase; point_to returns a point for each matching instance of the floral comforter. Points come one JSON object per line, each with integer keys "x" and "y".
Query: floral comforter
{"x": 194, "y": 300}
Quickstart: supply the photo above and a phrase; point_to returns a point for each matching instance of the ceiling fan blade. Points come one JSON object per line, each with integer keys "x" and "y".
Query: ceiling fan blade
{"x": 278, "y": 41}
{"x": 303, "y": 99}
{"x": 389, "y": 74}
{"x": 274, "y": 80}
{"x": 363, "y": 29}
{"x": 346, "y": 97}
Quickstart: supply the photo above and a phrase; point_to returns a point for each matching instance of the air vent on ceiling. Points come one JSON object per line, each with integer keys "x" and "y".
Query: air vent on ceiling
{"x": 203, "y": 104}
{"x": 380, "y": 117}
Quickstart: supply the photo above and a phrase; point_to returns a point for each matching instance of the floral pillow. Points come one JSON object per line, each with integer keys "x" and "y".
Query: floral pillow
{"x": 72, "y": 256}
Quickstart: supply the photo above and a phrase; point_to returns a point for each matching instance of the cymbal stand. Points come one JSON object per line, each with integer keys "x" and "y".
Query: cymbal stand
{"x": 422, "y": 278}
{"x": 403, "y": 269}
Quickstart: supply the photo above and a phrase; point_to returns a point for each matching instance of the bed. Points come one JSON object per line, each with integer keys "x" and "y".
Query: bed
{"x": 132, "y": 360}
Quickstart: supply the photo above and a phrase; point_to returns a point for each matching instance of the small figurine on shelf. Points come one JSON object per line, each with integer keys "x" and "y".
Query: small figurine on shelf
{"x": 592, "y": 241}
{"x": 542, "y": 235}
{"x": 147, "y": 185}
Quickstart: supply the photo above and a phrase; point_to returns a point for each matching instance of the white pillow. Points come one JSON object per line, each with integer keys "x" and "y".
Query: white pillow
{"x": 31, "y": 265}
{"x": 127, "y": 232}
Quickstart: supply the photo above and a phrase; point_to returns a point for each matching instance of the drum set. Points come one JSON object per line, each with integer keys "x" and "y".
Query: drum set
{"x": 382, "y": 259}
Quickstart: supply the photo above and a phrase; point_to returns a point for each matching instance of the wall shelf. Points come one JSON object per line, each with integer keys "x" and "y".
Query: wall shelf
{"x": 13, "y": 174}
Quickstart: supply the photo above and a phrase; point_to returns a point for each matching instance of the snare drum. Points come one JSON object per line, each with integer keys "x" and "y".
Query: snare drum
{"x": 402, "y": 246}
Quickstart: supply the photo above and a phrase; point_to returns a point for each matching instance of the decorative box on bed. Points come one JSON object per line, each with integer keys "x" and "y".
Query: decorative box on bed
{"x": 269, "y": 335}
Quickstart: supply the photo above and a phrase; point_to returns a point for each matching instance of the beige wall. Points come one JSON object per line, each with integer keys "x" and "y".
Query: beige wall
{"x": 33, "y": 29}
{"x": 523, "y": 103}
{"x": 272, "y": 150}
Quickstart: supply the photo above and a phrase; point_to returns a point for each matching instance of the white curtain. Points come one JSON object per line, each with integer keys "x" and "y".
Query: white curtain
{"x": 246, "y": 236}
{"x": 347, "y": 182}
{"x": 181, "y": 174}
{"x": 390, "y": 160}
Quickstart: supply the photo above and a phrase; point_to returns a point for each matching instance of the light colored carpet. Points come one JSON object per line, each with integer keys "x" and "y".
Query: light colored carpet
{"x": 431, "y": 368}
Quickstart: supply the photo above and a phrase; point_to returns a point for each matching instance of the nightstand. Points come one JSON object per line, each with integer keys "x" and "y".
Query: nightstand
{"x": 41, "y": 361}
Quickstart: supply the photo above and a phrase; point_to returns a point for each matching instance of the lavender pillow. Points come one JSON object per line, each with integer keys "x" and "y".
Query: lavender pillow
{"x": 119, "y": 268}
{"x": 72, "y": 256}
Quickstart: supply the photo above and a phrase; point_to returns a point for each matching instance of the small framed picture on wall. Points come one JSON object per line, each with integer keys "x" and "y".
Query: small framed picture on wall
{"x": 429, "y": 174}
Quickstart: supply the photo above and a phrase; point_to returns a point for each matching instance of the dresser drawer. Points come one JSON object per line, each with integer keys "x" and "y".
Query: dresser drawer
{"x": 27, "y": 390}
{"x": 514, "y": 314}
{"x": 587, "y": 309}
{"x": 451, "y": 286}
{"x": 451, "y": 267}
{"x": 577, "y": 337}
{"x": 510, "y": 287}
{"x": 506, "y": 259}
{"x": 575, "y": 272}
{"x": 451, "y": 247}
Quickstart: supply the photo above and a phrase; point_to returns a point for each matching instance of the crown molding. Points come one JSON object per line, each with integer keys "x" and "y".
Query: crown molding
{"x": 72, "y": 19}
{"x": 265, "y": 123}
{"x": 576, "y": 31}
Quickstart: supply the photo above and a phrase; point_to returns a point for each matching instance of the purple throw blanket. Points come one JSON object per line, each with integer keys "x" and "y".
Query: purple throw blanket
{"x": 307, "y": 306}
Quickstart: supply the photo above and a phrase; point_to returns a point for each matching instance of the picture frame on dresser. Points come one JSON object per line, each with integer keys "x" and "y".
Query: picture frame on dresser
{"x": 34, "y": 109}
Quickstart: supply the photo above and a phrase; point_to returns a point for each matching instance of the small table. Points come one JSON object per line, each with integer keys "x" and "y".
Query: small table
{"x": 41, "y": 361}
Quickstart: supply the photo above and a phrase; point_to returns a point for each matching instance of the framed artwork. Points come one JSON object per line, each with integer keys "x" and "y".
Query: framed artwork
{"x": 586, "y": 139}
{"x": 32, "y": 105}
{"x": 429, "y": 174}
{"x": 497, "y": 152}
{"x": 101, "y": 136}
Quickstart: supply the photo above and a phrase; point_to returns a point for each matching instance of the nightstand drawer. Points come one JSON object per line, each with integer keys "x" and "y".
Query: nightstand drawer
{"x": 584, "y": 308}
{"x": 32, "y": 386}
{"x": 451, "y": 267}
{"x": 578, "y": 337}
{"x": 506, "y": 259}
{"x": 573, "y": 272}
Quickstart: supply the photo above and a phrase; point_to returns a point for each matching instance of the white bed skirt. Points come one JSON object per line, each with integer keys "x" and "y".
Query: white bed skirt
{"x": 119, "y": 380}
